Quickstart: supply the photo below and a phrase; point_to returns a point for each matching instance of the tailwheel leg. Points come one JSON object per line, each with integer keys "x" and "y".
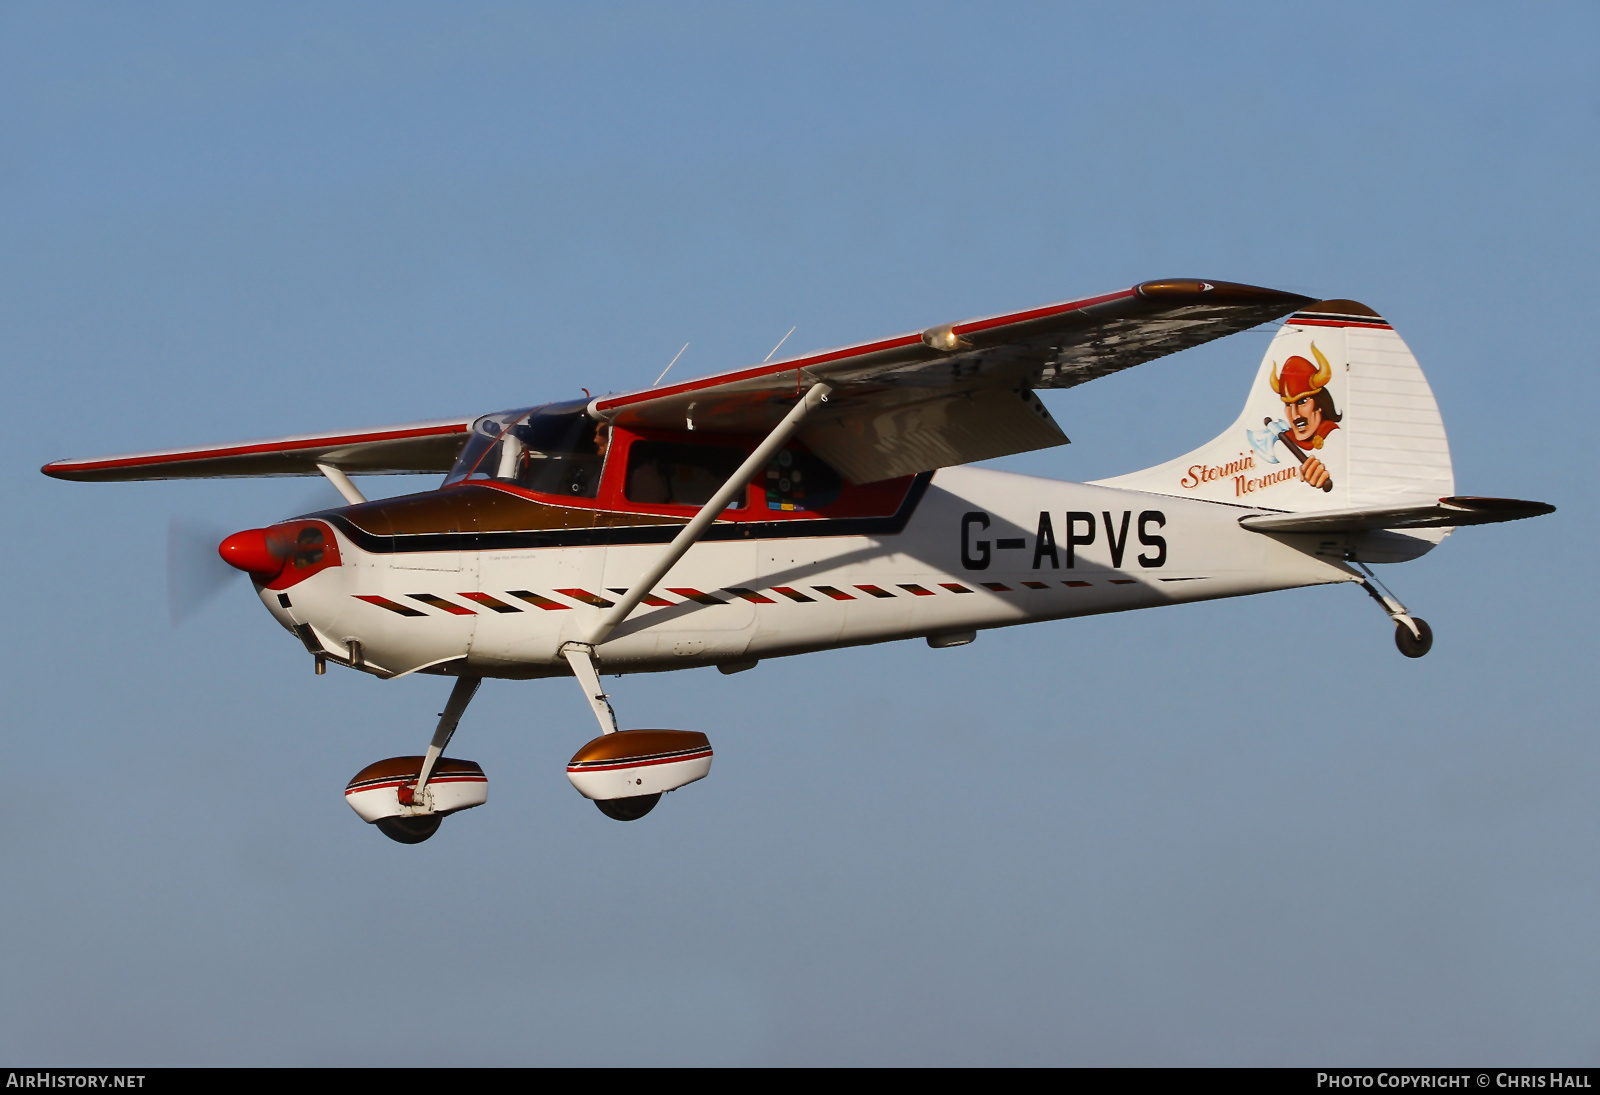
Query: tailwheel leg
{"x": 1412, "y": 635}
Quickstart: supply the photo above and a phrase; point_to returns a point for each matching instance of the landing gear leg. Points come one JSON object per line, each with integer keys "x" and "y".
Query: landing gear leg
{"x": 461, "y": 695}
{"x": 581, "y": 657}
{"x": 1411, "y": 633}
{"x": 416, "y": 828}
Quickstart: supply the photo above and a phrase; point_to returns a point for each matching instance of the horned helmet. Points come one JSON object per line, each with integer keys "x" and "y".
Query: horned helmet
{"x": 1299, "y": 379}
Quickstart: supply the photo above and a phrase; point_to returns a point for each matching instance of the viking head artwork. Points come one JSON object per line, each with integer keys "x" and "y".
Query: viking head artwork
{"x": 1303, "y": 387}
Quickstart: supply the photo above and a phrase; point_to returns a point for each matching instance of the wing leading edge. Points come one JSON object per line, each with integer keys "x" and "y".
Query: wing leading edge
{"x": 962, "y": 391}
{"x": 419, "y": 447}
{"x": 948, "y": 395}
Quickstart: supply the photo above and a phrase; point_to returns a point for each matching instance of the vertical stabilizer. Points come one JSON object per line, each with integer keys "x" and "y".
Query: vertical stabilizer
{"x": 1339, "y": 417}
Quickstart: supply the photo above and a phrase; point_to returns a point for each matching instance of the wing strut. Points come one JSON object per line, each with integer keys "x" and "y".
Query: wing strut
{"x": 341, "y": 483}
{"x": 581, "y": 654}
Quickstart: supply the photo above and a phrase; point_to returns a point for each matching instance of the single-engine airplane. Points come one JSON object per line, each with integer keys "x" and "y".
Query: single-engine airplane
{"x": 820, "y": 502}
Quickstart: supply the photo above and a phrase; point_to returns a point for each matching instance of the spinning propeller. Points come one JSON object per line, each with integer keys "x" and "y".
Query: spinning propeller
{"x": 196, "y": 572}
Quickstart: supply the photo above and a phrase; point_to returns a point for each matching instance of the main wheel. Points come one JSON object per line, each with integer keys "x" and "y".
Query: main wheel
{"x": 409, "y": 830}
{"x": 1414, "y": 646}
{"x": 628, "y": 809}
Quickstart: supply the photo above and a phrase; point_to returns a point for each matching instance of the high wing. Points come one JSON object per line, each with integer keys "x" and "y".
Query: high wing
{"x": 949, "y": 395}
{"x": 962, "y": 391}
{"x": 419, "y": 447}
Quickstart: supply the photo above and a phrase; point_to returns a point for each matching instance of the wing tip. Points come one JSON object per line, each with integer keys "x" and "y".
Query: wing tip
{"x": 1201, "y": 291}
{"x": 1501, "y": 509}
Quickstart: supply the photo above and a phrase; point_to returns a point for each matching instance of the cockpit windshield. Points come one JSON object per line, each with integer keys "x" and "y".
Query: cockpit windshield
{"x": 552, "y": 449}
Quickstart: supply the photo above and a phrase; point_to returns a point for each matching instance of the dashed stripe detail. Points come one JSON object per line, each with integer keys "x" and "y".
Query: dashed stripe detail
{"x": 495, "y": 604}
{"x": 489, "y": 602}
{"x": 649, "y": 598}
{"x": 384, "y": 602}
{"x": 696, "y": 596}
{"x": 586, "y": 597}
{"x": 436, "y": 601}
{"x": 539, "y": 602}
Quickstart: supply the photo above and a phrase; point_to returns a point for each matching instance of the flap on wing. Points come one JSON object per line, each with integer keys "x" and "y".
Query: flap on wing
{"x": 869, "y": 443}
{"x": 961, "y": 391}
{"x": 1446, "y": 513}
{"x": 421, "y": 447}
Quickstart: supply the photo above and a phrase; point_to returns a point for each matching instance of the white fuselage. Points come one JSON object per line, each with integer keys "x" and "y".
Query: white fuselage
{"x": 982, "y": 549}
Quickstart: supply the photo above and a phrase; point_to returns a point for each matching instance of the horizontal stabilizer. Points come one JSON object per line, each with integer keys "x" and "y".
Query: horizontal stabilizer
{"x": 1445, "y": 513}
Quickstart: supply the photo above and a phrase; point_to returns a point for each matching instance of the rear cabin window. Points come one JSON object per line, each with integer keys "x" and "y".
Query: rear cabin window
{"x": 674, "y": 473}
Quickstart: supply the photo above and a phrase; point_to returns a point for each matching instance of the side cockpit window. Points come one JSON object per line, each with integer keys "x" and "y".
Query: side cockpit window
{"x": 556, "y": 449}
{"x": 555, "y": 454}
{"x": 487, "y": 433}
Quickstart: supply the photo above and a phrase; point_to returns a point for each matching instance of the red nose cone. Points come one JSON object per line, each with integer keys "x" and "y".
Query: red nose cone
{"x": 249, "y": 552}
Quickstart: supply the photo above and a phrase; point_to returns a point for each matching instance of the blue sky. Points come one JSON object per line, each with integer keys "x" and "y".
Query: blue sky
{"x": 1235, "y": 833}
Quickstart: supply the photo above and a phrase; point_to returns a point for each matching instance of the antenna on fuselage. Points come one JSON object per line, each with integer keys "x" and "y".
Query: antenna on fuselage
{"x": 670, "y": 364}
{"x": 781, "y": 341}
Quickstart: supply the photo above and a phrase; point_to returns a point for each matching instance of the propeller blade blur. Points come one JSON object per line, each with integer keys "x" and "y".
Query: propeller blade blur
{"x": 195, "y": 572}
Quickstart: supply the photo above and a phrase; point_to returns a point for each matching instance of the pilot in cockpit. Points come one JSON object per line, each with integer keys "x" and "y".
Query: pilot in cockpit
{"x": 563, "y": 460}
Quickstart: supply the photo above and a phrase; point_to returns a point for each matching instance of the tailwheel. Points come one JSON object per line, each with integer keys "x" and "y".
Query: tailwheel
{"x": 409, "y": 830}
{"x": 1414, "y": 646}
{"x": 626, "y": 809}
